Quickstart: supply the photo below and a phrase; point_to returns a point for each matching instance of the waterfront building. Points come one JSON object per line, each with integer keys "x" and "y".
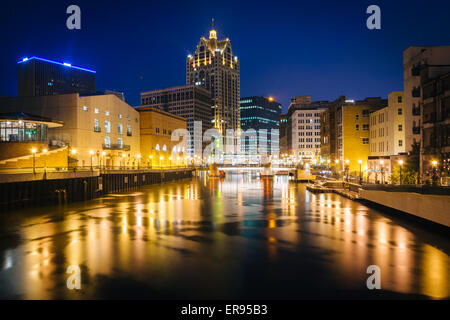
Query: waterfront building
{"x": 215, "y": 67}
{"x": 420, "y": 62}
{"x": 435, "y": 147}
{"x": 346, "y": 133}
{"x": 101, "y": 130}
{"x": 24, "y": 142}
{"x": 387, "y": 138}
{"x": 284, "y": 149}
{"x": 157, "y": 147}
{"x": 190, "y": 102}
{"x": 259, "y": 114}
{"x": 44, "y": 77}
{"x": 304, "y": 128}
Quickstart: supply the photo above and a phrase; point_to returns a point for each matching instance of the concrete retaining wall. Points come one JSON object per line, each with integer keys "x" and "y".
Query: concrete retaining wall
{"x": 435, "y": 208}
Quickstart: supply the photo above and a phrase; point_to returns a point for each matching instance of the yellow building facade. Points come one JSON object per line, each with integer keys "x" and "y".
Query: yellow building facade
{"x": 99, "y": 130}
{"x": 353, "y": 136}
{"x": 158, "y": 149}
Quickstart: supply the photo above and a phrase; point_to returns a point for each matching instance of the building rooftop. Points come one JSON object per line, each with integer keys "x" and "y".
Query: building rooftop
{"x": 65, "y": 64}
{"x": 21, "y": 116}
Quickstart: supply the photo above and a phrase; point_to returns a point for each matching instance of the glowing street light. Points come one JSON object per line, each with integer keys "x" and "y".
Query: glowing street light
{"x": 400, "y": 162}
{"x": 360, "y": 171}
{"x": 91, "y": 152}
{"x": 33, "y": 151}
{"x": 45, "y": 160}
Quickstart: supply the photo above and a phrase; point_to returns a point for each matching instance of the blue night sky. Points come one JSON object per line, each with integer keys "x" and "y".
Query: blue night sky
{"x": 286, "y": 48}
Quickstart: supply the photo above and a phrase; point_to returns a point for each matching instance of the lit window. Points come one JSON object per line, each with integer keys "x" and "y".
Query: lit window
{"x": 85, "y": 108}
{"x": 120, "y": 116}
{"x": 107, "y": 113}
{"x": 107, "y": 142}
{"x": 96, "y": 110}
{"x": 120, "y": 128}
{"x": 107, "y": 127}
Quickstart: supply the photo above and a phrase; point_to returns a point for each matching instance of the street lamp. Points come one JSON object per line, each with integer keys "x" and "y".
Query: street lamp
{"x": 45, "y": 160}
{"x": 382, "y": 171}
{"x": 33, "y": 151}
{"x": 91, "y": 152}
{"x": 123, "y": 160}
{"x": 360, "y": 171}
{"x": 434, "y": 177}
{"x": 400, "y": 162}
{"x": 103, "y": 163}
{"x": 347, "y": 167}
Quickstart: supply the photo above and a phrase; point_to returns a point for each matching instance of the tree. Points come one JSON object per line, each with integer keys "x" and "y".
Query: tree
{"x": 413, "y": 161}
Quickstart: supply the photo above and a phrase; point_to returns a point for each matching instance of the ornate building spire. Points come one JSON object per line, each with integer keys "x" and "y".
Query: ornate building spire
{"x": 212, "y": 33}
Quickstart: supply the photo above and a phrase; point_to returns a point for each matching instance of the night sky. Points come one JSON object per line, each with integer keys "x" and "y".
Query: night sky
{"x": 286, "y": 48}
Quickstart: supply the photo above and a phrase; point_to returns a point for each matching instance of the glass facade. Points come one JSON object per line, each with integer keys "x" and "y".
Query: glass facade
{"x": 22, "y": 131}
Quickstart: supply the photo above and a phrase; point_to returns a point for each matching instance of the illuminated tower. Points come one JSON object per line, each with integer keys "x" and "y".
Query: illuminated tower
{"x": 214, "y": 67}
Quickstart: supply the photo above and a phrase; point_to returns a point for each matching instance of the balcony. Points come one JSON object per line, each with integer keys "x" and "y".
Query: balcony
{"x": 416, "y": 130}
{"x": 123, "y": 147}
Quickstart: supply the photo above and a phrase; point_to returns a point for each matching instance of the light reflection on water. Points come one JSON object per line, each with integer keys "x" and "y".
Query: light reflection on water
{"x": 241, "y": 237}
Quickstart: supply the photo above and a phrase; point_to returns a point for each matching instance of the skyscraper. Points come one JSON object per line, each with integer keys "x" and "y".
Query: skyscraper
{"x": 260, "y": 113}
{"x": 214, "y": 67}
{"x": 43, "y": 77}
{"x": 191, "y": 102}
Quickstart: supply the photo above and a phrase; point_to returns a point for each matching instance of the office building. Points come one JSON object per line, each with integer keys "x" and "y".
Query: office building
{"x": 98, "y": 129}
{"x": 157, "y": 147}
{"x": 284, "y": 149}
{"x": 43, "y": 77}
{"x": 215, "y": 67}
{"x": 346, "y": 131}
{"x": 304, "y": 126}
{"x": 190, "y": 102}
{"x": 260, "y": 125}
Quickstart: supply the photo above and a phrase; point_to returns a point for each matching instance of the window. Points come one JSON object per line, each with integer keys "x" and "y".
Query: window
{"x": 357, "y": 117}
{"x": 157, "y": 130}
{"x": 120, "y": 128}
{"x": 365, "y": 113}
{"x": 164, "y": 148}
{"x": 120, "y": 143}
{"x": 129, "y": 131}
{"x": 85, "y": 108}
{"x": 400, "y": 143}
{"x": 157, "y": 147}
{"x": 357, "y": 127}
{"x": 399, "y": 99}
{"x": 107, "y": 127}
{"x": 120, "y": 116}
{"x": 96, "y": 110}
{"x": 96, "y": 125}
{"x": 107, "y": 142}
{"x": 400, "y": 127}
{"x": 365, "y": 140}
{"x": 164, "y": 131}
{"x": 365, "y": 127}
{"x": 400, "y": 111}
{"x": 107, "y": 113}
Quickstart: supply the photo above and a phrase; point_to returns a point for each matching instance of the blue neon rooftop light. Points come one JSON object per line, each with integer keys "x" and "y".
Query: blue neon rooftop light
{"x": 65, "y": 64}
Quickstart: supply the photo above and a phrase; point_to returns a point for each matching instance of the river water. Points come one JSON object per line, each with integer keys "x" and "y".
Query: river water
{"x": 240, "y": 237}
